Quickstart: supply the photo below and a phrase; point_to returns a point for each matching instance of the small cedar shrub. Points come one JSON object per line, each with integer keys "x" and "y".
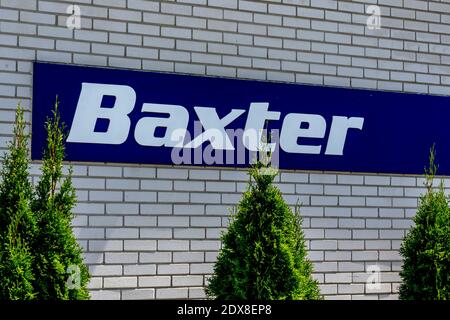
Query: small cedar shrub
{"x": 263, "y": 255}
{"x": 38, "y": 250}
{"x": 56, "y": 250}
{"x": 17, "y": 222}
{"x": 426, "y": 248}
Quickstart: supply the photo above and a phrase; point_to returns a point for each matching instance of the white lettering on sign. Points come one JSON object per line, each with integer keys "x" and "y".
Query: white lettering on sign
{"x": 214, "y": 128}
{"x": 316, "y": 127}
{"x": 146, "y": 127}
{"x": 295, "y": 127}
{"x": 258, "y": 114}
{"x": 338, "y": 133}
{"x": 89, "y": 110}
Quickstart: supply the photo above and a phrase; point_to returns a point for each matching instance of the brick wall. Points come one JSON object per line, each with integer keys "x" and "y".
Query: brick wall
{"x": 153, "y": 232}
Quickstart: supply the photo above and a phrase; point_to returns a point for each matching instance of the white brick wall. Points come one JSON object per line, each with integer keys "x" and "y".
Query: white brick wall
{"x": 152, "y": 232}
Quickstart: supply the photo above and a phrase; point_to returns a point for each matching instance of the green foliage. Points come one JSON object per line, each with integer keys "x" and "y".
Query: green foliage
{"x": 16, "y": 270}
{"x": 56, "y": 249}
{"x": 426, "y": 248}
{"x": 17, "y": 222}
{"x": 38, "y": 251}
{"x": 263, "y": 255}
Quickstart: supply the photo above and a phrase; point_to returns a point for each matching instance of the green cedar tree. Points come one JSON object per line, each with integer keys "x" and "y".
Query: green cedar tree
{"x": 426, "y": 248}
{"x": 17, "y": 222}
{"x": 263, "y": 255}
{"x": 59, "y": 267}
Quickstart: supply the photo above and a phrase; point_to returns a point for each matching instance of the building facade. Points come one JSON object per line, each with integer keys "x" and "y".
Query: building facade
{"x": 153, "y": 231}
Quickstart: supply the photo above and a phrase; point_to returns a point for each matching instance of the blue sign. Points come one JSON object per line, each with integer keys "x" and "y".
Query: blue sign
{"x": 125, "y": 116}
